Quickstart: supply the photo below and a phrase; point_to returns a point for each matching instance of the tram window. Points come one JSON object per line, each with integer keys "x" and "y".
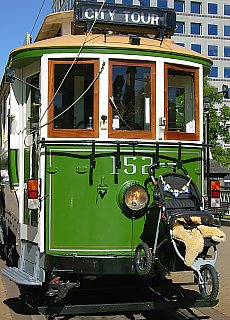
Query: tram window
{"x": 181, "y": 103}
{"x": 33, "y": 101}
{"x": 73, "y": 104}
{"x": 132, "y": 89}
{"x": 3, "y": 119}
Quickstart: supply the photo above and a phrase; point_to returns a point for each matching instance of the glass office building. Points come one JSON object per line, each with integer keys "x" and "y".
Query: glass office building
{"x": 61, "y": 5}
{"x": 203, "y": 26}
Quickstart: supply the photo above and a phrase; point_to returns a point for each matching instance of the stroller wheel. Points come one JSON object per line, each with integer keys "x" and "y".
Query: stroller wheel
{"x": 210, "y": 288}
{"x": 143, "y": 259}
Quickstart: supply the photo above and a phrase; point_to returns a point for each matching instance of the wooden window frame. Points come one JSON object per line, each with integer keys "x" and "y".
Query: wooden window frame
{"x": 183, "y": 136}
{"x": 73, "y": 133}
{"x": 135, "y": 134}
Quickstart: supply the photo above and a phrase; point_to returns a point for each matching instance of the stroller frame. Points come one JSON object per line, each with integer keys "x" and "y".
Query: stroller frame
{"x": 205, "y": 275}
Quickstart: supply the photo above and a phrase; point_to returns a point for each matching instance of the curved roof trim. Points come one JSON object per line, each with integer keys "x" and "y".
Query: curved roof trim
{"x": 107, "y": 50}
{"x": 111, "y": 44}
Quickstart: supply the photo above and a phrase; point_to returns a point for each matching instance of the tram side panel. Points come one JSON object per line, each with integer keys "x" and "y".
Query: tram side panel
{"x": 82, "y": 212}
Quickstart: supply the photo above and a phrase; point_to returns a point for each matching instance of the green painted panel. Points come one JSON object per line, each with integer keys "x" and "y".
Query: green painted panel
{"x": 13, "y": 166}
{"x": 83, "y": 216}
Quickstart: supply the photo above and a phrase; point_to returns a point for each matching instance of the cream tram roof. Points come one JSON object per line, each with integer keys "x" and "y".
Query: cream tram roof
{"x": 56, "y": 35}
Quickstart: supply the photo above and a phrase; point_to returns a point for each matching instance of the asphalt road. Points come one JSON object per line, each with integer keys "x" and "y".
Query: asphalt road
{"x": 12, "y": 308}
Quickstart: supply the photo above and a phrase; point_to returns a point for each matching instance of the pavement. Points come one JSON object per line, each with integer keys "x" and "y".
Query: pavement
{"x": 223, "y": 267}
{"x": 4, "y": 310}
{"x": 9, "y": 297}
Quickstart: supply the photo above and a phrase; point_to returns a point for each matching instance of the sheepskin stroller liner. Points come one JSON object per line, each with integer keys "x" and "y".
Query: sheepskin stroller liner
{"x": 177, "y": 197}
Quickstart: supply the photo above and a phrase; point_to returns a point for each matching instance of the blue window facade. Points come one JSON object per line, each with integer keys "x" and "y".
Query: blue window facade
{"x": 180, "y": 27}
{"x": 227, "y": 31}
{"x": 180, "y": 44}
{"x": 195, "y": 28}
{"x": 145, "y": 3}
{"x": 195, "y": 7}
{"x": 212, "y": 50}
{"x": 227, "y": 72}
{"x": 213, "y": 29}
{"x": 214, "y": 72}
{"x": 227, "y": 52}
{"x": 227, "y": 9}
{"x": 127, "y": 2}
{"x": 196, "y": 47}
{"x": 179, "y": 6}
{"x": 162, "y": 3}
{"x": 212, "y": 8}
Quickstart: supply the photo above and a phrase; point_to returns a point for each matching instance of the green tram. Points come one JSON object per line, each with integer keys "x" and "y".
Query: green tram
{"x": 86, "y": 110}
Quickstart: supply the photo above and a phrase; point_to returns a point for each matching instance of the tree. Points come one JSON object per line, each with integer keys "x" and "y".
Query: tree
{"x": 218, "y": 120}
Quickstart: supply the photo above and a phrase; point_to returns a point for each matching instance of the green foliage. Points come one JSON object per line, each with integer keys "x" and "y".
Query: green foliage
{"x": 218, "y": 118}
{"x": 221, "y": 155}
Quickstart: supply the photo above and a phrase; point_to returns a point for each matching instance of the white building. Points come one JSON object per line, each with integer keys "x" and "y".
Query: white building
{"x": 203, "y": 26}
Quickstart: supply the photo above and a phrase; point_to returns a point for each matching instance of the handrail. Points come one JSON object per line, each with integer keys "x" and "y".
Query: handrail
{"x": 44, "y": 142}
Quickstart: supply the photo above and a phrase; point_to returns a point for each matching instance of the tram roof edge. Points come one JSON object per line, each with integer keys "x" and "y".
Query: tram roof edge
{"x": 113, "y": 44}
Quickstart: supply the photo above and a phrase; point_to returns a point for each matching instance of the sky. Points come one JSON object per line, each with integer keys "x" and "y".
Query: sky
{"x": 17, "y": 17}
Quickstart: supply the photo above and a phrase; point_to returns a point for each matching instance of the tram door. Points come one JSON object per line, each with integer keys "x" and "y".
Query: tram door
{"x": 31, "y": 152}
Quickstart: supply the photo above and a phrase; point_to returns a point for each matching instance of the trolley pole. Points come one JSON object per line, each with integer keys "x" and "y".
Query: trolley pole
{"x": 207, "y": 153}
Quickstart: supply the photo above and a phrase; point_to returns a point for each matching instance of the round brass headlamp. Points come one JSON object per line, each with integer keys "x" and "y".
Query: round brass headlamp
{"x": 133, "y": 199}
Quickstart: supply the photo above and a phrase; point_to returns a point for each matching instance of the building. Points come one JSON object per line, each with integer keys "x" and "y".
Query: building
{"x": 203, "y": 26}
{"x": 62, "y": 5}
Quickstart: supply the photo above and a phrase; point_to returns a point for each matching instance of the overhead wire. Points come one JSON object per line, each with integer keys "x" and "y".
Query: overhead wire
{"x": 37, "y": 16}
{"x": 72, "y": 64}
{"x": 79, "y": 98}
{"x": 74, "y": 60}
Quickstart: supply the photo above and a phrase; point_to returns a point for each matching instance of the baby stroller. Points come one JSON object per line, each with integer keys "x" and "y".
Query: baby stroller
{"x": 177, "y": 198}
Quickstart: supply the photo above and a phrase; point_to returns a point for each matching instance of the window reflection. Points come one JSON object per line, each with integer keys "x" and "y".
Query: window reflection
{"x": 181, "y": 111}
{"x": 131, "y": 95}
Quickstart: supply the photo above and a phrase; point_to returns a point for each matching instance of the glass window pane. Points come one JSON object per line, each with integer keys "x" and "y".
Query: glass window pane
{"x": 127, "y": 2}
{"x": 179, "y": 6}
{"x": 227, "y": 52}
{"x": 131, "y": 94}
{"x": 212, "y": 50}
{"x": 227, "y": 31}
{"x": 145, "y": 3}
{"x": 212, "y": 29}
{"x": 162, "y": 3}
{"x": 227, "y": 72}
{"x": 33, "y": 97}
{"x": 212, "y": 8}
{"x": 181, "y": 102}
{"x": 195, "y": 7}
{"x": 180, "y": 27}
{"x": 196, "y": 47}
{"x": 227, "y": 9}
{"x": 77, "y": 81}
{"x": 180, "y": 44}
{"x": 195, "y": 28}
{"x": 214, "y": 72}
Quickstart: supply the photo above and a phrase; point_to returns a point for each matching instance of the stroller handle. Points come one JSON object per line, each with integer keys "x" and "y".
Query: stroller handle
{"x": 151, "y": 169}
{"x": 157, "y": 165}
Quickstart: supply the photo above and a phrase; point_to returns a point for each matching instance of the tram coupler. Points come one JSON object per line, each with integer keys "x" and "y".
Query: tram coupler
{"x": 58, "y": 289}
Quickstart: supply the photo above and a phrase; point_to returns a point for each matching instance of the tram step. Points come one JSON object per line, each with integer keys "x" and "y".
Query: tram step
{"x": 20, "y": 277}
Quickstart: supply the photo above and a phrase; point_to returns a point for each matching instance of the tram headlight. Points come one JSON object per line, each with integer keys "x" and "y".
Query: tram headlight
{"x": 133, "y": 199}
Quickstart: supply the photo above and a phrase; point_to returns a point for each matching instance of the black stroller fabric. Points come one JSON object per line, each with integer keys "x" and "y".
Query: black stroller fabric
{"x": 181, "y": 198}
{"x": 188, "y": 199}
